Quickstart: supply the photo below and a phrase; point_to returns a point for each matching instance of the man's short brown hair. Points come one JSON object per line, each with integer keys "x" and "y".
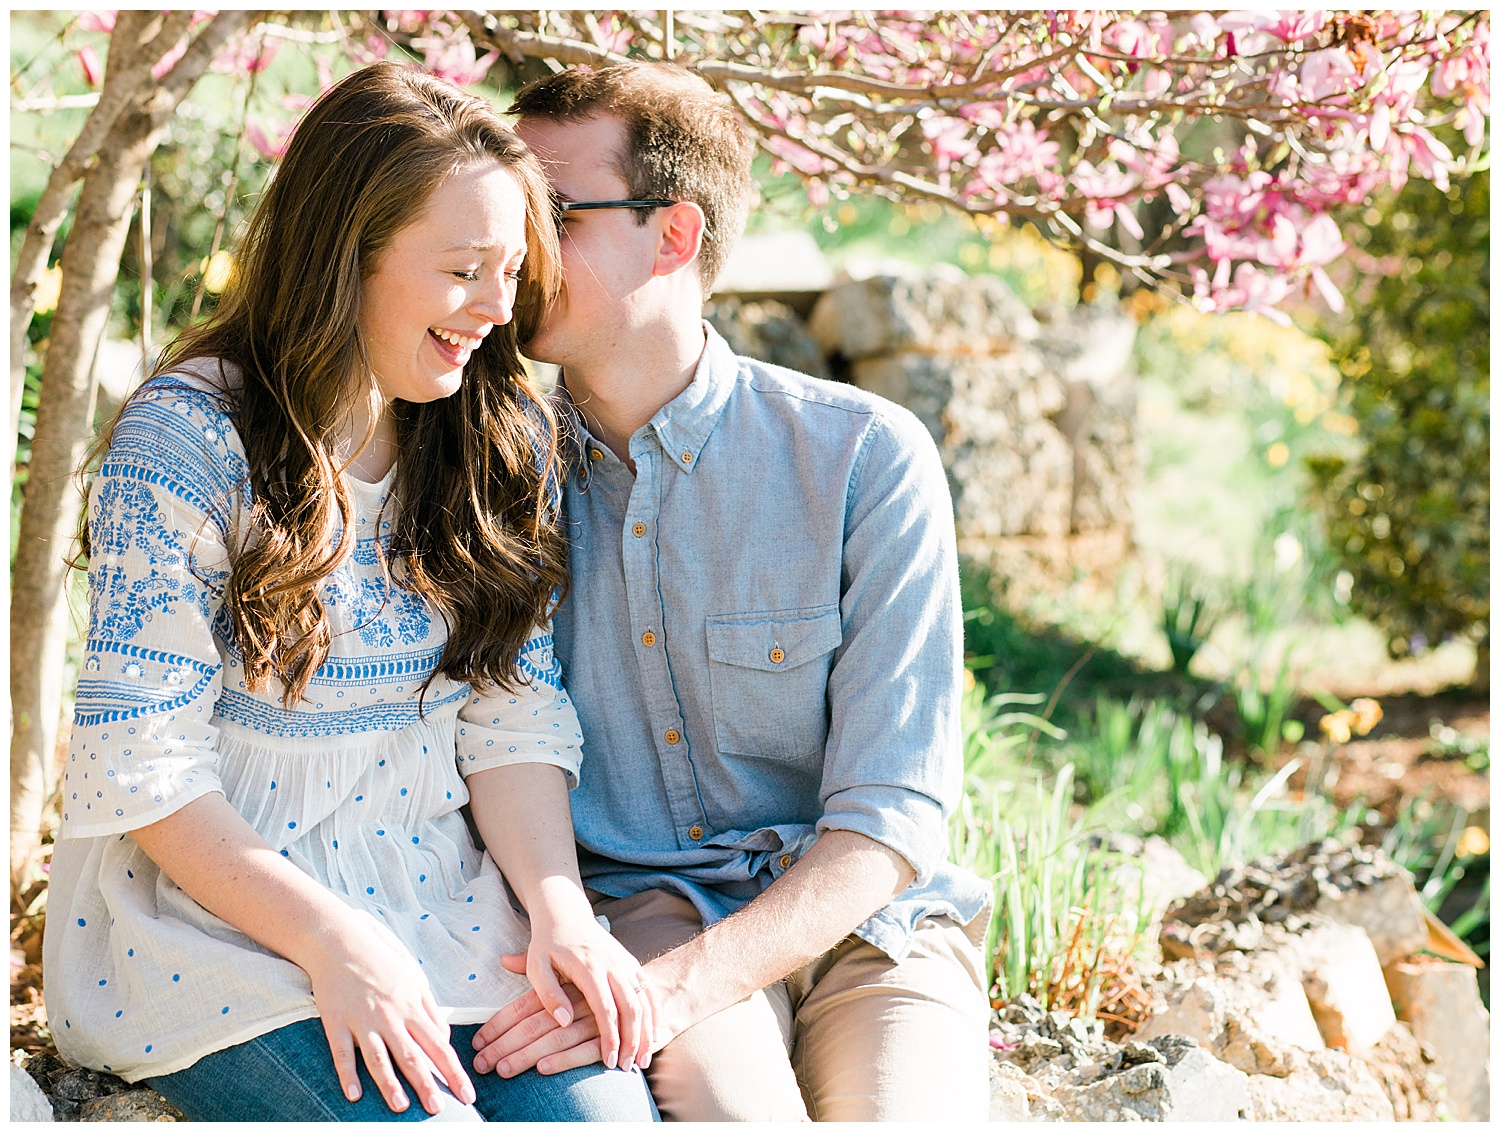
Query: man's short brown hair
{"x": 683, "y": 141}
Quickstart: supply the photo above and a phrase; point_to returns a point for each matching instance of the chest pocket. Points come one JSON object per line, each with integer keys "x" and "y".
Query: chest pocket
{"x": 769, "y": 680}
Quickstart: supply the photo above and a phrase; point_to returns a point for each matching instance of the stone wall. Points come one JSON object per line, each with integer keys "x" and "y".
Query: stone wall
{"x": 1035, "y": 421}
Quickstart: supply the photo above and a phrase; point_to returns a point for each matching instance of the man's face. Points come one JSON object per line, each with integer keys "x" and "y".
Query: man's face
{"x": 606, "y": 255}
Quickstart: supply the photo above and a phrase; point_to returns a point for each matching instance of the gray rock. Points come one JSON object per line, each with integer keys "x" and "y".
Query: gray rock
{"x": 940, "y": 312}
{"x": 1322, "y": 1085}
{"x": 1010, "y": 468}
{"x": 1250, "y": 1012}
{"x": 1440, "y": 1002}
{"x": 768, "y": 332}
{"x": 27, "y": 1101}
{"x": 1200, "y": 1086}
{"x": 1388, "y": 908}
{"x": 85, "y": 1085}
{"x": 138, "y": 1105}
{"x": 1353, "y": 885}
{"x": 1008, "y": 1102}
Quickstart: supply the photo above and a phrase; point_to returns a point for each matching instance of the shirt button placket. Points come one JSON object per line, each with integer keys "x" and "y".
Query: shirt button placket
{"x": 643, "y": 595}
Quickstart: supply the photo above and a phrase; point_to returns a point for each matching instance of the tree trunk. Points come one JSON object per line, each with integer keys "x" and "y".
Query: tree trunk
{"x": 49, "y": 518}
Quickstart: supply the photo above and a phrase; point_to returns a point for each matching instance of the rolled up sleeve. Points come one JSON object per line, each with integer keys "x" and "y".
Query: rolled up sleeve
{"x": 533, "y": 723}
{"x": 894, "y": 758}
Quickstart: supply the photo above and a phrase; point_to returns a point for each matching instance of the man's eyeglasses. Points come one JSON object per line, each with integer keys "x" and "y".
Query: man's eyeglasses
{"x": 561, "y": 208}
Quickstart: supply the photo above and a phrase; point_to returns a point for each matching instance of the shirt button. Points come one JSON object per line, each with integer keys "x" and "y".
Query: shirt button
{"x": 687, "y": 457}
{"x": 786, "y": 860}
{"x": 696, "y": 833}
{"x": 673, "y": 737}
{"x": 648, "y": 638}
{"x": 777, "y": 656}
{"x": 595, "y": 454}
{"x": 638, "y": 530}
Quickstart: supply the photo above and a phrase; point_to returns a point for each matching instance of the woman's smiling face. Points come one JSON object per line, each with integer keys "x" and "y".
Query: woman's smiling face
{"x": 443, "y": 283}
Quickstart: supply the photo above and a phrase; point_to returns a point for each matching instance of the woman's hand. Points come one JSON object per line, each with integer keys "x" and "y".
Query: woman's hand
{"x": 369, "y": 990}
{"x": 568, "y": 943}
{"x": 373, "y": 995}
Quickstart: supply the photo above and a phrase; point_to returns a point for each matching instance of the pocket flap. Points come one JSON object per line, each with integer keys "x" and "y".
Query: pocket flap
{"x": 793, "y": 637}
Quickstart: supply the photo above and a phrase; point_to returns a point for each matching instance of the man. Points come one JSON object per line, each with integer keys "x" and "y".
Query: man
{"x": 763, "y": 640}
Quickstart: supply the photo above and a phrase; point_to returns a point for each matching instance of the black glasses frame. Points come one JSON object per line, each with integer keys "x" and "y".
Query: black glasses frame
{"x": 561, "y": 208}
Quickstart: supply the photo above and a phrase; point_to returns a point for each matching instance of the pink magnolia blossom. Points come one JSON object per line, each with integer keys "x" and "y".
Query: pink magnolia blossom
{"x": 948, "y": 139}
{"x": 1288, "y": 26}
{"x": 797, "y": 156}
{"x": 453, "y": 60}
{"x": 247, "y": 56}
{"x": 1205, "y": 32}
{"x": 93, "y": 70}
{"x": 103, "y": 20}
{"x": 408, "y": 19}
{"x": 1104, "y": 187}
{"x": 1131, "y": 37}
{"x": 1468, "y": 71}
{"x": 1327, "y": 73}
{"x": 1021, "y": 151}
{"x": 1431, "y": 157}
{"x": 1250, "y": 290}
{"x": 986, "y": 115}
{"x": 270, "y": 142}
{"x": 169, "y": 60}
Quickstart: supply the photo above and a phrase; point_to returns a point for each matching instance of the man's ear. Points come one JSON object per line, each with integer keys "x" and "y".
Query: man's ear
{"x": 681, "y": 227}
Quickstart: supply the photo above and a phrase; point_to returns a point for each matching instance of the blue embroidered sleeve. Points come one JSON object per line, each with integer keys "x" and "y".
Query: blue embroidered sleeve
{"x": 161, "y": 511}
{"x": 534, "y": 724}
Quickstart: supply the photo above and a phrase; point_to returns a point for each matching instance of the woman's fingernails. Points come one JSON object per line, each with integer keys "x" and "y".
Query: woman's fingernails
{"x": 562, "y": 1016}
{"x": 352, "y": 1092}
{"x": 611, "y": 1060}
{"x": 399, "y": 1102}
{"x": 627, "y": 1065}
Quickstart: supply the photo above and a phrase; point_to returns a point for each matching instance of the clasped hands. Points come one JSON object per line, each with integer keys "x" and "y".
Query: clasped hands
{"x": 590, "y": 1000}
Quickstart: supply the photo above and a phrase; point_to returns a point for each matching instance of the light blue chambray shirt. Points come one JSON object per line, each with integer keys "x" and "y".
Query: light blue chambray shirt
{"x": 763, "y": 640}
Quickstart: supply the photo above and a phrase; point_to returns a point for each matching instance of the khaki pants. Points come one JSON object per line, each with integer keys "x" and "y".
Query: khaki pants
{"x": 853, "y": 1035}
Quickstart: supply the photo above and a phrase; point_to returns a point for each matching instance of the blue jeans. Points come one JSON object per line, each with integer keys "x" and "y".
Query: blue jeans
{"x": 288, "y": 1074}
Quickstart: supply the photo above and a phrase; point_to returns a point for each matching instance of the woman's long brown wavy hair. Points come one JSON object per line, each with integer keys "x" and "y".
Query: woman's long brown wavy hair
{"x": 474, "y": 529}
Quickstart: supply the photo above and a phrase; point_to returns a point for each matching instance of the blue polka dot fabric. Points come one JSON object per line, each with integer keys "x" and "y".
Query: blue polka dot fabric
{"x": 355, "y": 786}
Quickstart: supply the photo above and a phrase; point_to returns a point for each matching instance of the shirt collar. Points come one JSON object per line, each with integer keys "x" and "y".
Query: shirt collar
{"x": 682, "y": 426}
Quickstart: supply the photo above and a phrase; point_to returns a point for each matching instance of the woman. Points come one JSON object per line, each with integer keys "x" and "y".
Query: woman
{"x": 321, "y": 566}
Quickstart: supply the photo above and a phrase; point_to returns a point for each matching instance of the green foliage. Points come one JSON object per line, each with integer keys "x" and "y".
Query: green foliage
{"x": 1428, "y": 838}
{"x": 1189, "y": 612}
{"x": 1008, "y": 654}
{"x": 1410, "y": 517}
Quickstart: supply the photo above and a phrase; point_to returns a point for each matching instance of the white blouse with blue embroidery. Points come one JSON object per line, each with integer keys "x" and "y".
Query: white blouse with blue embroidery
{"x": 356, "y": 786}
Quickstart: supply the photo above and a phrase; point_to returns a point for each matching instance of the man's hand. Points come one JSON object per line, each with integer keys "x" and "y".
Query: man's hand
{"x": 833, "y": 889}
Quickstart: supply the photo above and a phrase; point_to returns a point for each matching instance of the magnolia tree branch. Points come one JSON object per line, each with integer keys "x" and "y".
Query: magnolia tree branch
{"x": 137, "y": 44}
{"x": 1256, "y": 127}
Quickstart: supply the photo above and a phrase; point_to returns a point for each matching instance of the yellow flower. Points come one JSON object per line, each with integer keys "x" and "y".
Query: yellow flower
{"x": 1473, "y": 842}
{"x": 48, "y": 287}
{"x": 1278, "y": 454}
{"x": 1337, "y": 725}
{"x": 1367, "y": 714}
{"x": 969, "y": 679}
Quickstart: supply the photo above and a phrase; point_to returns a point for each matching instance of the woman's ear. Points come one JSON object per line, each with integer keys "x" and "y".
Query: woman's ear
{"x": 681, "y": 228}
